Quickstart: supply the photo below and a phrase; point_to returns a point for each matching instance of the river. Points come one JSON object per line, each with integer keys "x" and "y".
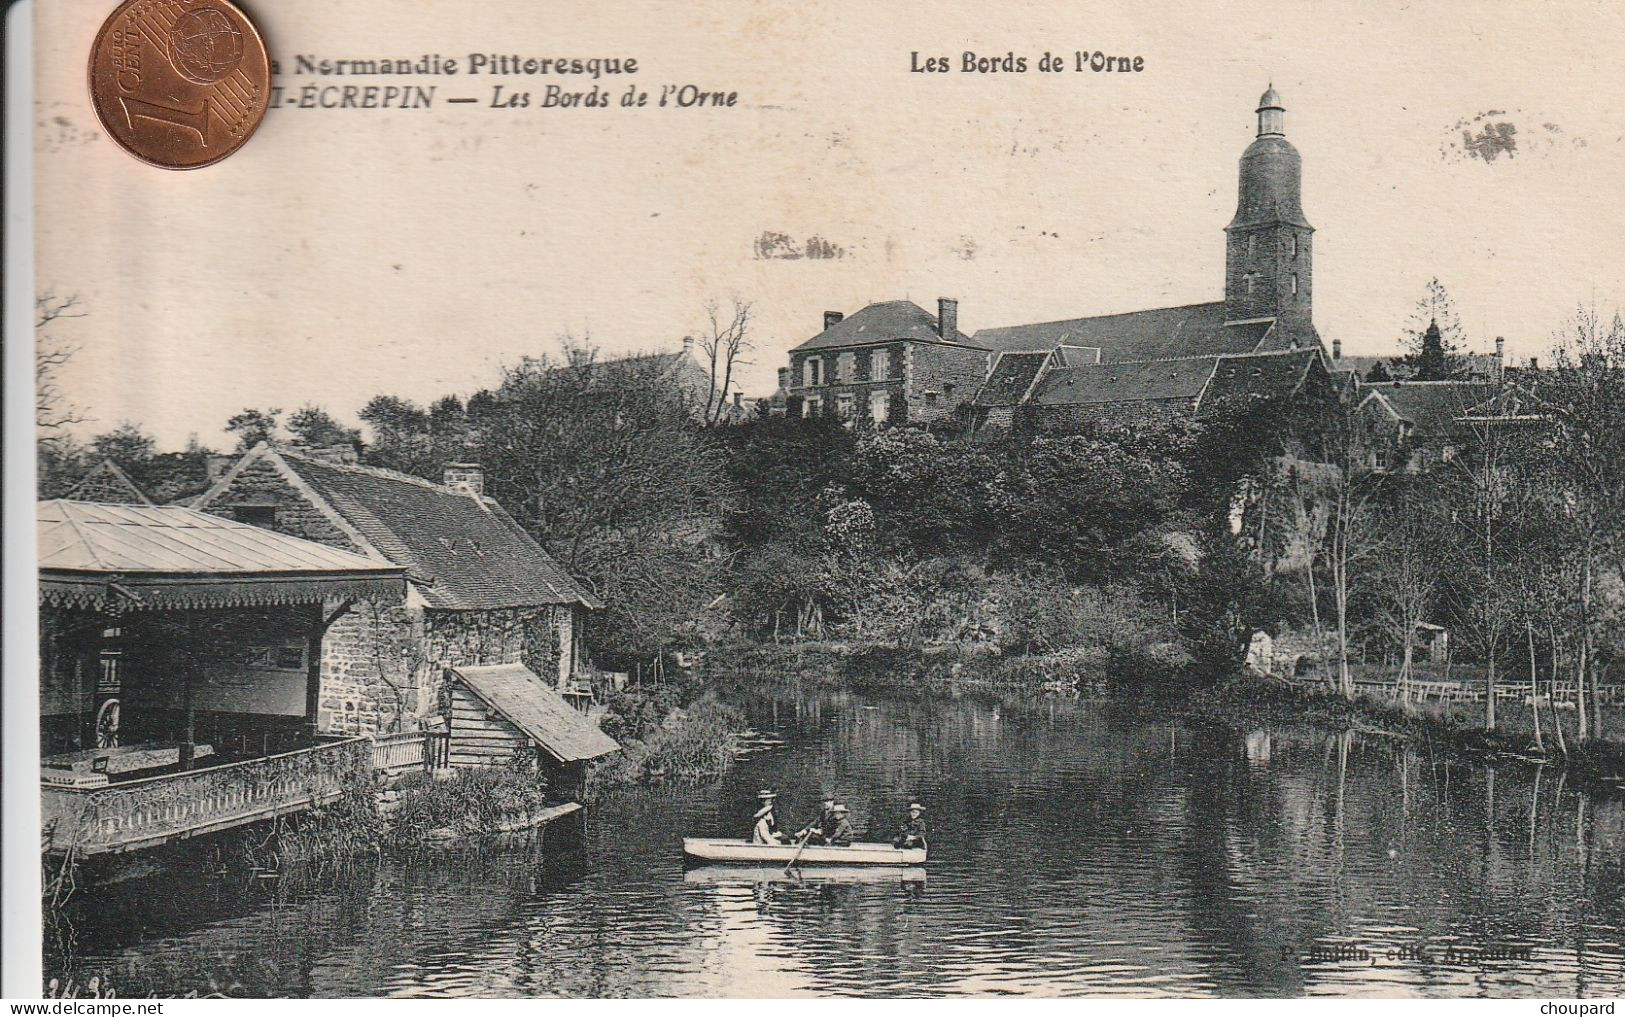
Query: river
{"x": 1078, "y": 848}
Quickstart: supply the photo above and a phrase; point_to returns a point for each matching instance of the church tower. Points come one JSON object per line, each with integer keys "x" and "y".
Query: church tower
{"x": 1268, "y": 265}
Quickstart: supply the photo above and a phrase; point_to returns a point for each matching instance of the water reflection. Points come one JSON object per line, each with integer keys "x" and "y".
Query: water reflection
{"x": 1078, "y": 848}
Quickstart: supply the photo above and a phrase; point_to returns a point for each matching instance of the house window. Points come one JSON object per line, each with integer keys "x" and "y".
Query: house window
{"x": 811, "y": 371}
{"x": 846, "y": 366}
{"x": 812, "y": 407}
{"x": 843, "y": 405}
{"x": 879, "y": 406}
{"x": 880, "y": 365}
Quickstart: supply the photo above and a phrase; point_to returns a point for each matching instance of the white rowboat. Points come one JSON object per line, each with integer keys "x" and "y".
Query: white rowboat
{"x": 725, "y": 849}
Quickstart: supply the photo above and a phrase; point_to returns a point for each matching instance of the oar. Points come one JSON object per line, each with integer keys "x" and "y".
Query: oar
{"x": 799, "y": 848}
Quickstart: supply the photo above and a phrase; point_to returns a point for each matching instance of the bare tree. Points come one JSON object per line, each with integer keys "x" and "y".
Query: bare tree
{"x": 722, "y": 346}
{"x": 1404, "y": 579}
{"x": 54, "y": 413}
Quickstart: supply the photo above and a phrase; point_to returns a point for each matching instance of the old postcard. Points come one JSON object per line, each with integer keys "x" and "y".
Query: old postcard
{"x": 823, "y": 499}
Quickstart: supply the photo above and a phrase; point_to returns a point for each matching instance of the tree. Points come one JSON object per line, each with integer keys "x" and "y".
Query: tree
{"x": 604, "y": 463}
{"x": 1584, "y": 396}
{"x": 127, "y": 445}
{"x": 1403, "y": 581}
{"x": 54, "y": 413}
{"x": 726, "y": 340}
{"x": 253, "y": 426}
{"x": 314, "y": 427}
{"x": 1433, "y": 337}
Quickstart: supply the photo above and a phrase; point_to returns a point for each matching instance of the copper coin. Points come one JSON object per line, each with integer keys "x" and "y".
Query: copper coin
{"x": 179, "y": 83}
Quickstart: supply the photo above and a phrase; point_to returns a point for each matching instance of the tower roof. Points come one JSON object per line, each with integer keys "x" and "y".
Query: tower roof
{"x": 1271, "y": 99}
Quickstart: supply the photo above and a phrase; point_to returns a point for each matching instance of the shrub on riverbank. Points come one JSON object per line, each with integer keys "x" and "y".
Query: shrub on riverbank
{"x": 468, "y": 803}
{"x": 695, "y": 740}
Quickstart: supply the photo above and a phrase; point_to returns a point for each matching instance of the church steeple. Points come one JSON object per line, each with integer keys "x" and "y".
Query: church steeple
{"x": 1268, "y": 264}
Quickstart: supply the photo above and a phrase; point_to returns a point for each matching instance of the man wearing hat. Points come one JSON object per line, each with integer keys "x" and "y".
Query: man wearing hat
{"x": 841, "y": 835}
{"x": 767, "y": 828}
{"x": 912, "y": 833}
{"x": 818, "y": 831}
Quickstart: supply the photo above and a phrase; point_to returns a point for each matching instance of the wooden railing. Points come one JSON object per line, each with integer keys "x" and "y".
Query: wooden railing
{"x": 155, "y": 810}
{"x": 410, "y": 751}
{"x": 1470, "y": 692}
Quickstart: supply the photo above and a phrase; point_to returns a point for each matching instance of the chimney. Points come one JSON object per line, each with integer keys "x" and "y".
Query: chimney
{"x": 947, "y": 318}
{"x": 784, "y": 379}
{"x": 830, "y": 318}
{"x": 466, "y": 477}
{"x": 739, "y": 400}
{"x": 1534, "y": 365}
{"x": 1501, "y": 348}
{"x": 338, "y": 455}
{"x": 688, "y": 344}
{"x": 1337, "y": 349}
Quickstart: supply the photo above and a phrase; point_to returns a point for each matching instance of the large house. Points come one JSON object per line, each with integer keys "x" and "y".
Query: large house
{"x": 889, "y": 362}
{"x": 1194, "y": 360}
{"x": 480, "y": 590}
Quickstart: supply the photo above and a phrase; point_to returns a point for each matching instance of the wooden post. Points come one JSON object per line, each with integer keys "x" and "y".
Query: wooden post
{"x": 189, "y": 740}
{"x": 313, "y": 671}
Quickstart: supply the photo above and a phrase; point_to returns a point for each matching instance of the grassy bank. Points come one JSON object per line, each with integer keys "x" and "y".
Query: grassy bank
{"x": 1454, "y": 727}
{"x": 667, "y": 732}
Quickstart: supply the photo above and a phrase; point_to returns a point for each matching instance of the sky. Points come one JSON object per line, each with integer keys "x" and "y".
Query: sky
{"x": 344, "y": 253}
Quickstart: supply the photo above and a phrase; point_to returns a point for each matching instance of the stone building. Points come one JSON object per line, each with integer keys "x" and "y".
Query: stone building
{"x": 480, "y": 590}
{"x": 889, "y": 362}
{"x": 1260, "y": 341}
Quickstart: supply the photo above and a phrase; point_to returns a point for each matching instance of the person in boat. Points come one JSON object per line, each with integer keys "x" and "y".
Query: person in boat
{"x": 767, "y": 827}
{"x": 841, "y": 834}
{"x": 818, "y": 831}
{"x": 912, "y": 833}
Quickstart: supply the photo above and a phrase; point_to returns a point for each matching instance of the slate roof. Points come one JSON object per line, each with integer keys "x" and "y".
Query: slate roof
{"x": 529, "y": 704}
{"x": 892, "y": 319}
{"x": 1433, "y": 406}
{"x": 462, "y": 552}
{"x": 108, "y": 484}
{"x": 1152, "y": 381}
{"x": 1163, "y": 333}
{"x": 1012, "y": 375}
{"x": 1254, "y": 378}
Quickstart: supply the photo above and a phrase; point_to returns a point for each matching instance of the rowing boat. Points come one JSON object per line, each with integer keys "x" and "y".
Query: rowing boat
{"x": 751, "y": 875}
{"x": 724, "y": 849}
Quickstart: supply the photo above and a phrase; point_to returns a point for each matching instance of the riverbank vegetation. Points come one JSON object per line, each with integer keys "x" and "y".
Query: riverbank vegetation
{"x": 674, "y": 731}
{"x": 1142, "y": 554}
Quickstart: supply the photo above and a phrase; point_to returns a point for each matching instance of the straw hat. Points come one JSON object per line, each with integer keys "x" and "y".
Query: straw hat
{"x": 765, "y": 795}
{"x": 915, "y": 807}
{"x": 839, "y": 809}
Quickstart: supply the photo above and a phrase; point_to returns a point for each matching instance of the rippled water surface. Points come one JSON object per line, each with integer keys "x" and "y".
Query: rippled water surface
{"x": 1077, "y": 849}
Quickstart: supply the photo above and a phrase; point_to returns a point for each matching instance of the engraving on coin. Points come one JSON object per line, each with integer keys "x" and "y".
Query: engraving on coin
{"x": 179, "y": 83}
{"x": 204, "y": 45}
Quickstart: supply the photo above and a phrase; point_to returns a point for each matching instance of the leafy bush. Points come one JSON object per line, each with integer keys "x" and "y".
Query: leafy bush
{"x": 470, "y": 801}
{"x": 698, "y": 740}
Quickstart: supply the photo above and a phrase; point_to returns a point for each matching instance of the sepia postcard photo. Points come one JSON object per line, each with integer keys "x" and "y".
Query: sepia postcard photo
{"x": 817, "y": 500}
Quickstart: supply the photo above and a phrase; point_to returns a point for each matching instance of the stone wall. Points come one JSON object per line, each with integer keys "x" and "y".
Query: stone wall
{"x": 383, "y": 668}
{"x": 954, "y": 373}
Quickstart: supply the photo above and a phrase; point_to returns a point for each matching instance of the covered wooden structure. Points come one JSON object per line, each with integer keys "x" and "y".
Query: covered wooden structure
{"x": 503, "y": 713}
{"x": 180, "y": 659}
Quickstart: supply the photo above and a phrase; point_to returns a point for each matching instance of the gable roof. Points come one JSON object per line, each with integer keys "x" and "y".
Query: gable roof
{"x": 462, "y": 552}
{"x": 526, "y": 702}
{"x": 1162, "y": 333}
{"x": 1432, "y": 406}
{"x": 177, "y": 557}
{"x": 1256, "y": 377}
{"x": 1153, "y": 381}
{"x": 891, "y": 319}
{"x": 1010, "y": 380}
{"x": 108, "y": 484}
